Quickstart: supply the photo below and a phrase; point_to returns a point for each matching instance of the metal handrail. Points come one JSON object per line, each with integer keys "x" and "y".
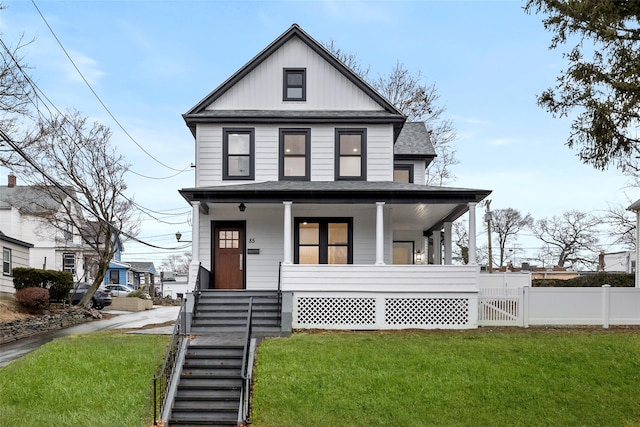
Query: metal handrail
{"x": 280, "y": 293}
{"x": 162, "y": 378}
{"x": 245, "y": 393}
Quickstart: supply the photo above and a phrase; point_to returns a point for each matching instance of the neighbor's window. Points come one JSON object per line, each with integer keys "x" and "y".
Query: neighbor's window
{"x": 238, "y": 153}
{"x": 295, "y": 84}
{"x": 403, "y": 173}
{"x": 323, "y": 241}
{"x": 295, "y": 156}
{"x": 114, "y": 277}
{"x": 351, "y": 147}
{"x": 69, "y": 263}
{"x": 6, "y": 261}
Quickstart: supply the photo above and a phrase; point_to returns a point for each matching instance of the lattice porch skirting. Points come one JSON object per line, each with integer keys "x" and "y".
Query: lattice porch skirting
{"x": 370, "y": 311}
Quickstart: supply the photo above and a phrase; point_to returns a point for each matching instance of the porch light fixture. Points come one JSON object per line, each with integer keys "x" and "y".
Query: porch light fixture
{"x": 419, "y": 254}
{"x": 179, "y": 236}
{"x": 242, "y": 207}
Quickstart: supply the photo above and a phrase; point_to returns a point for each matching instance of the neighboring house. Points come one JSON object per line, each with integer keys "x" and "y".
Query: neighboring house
{"x": 141, "y": 274}
{"x": 15, "y": 253}
{"x": 309, "y": 181}
{"x": 621, "y": 262}
{"x": 118, "y": 271}
{"x": 22, "y": 209}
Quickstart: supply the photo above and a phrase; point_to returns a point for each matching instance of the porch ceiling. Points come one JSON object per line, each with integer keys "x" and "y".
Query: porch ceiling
{"x": 425, "y": 217}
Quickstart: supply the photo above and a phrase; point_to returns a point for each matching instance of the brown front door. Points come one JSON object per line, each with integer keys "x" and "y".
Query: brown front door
{"x": 228, "y": 256}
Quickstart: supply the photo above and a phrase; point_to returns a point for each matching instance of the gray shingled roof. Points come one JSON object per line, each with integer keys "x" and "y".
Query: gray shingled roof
{"x": 6, "y": 238}
{"x": 333, "y": 192}
{"x": 141, "y": 266}
{"x": 414, "y": 141}
{"x": 30, "y": 200}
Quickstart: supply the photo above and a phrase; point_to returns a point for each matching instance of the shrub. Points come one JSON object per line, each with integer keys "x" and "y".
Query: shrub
{"x": 59, "y": 283}
{"x": 616, "y": 280}
{"x": 138, "y": 293}
{"x": 33, "y": 298}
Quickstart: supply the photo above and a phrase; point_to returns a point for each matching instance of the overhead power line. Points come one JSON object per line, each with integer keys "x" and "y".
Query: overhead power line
{"x": 98, "y": 97}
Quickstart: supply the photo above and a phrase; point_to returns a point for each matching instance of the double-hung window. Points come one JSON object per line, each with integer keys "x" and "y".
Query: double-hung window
{"x": 295, "y": 155}
{"x": 323, "y": 241}
{"x": 351, "y": 154}
{"x": 294, "y": 87}
{"x": 6, "y": 261}
{"x": 238, "y": 148}
{"x": 69, "y": 263}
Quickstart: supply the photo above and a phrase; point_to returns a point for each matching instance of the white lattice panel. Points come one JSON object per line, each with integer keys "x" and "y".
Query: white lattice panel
{"x": 417, "y": 312}
{"x": 318, "y": 312}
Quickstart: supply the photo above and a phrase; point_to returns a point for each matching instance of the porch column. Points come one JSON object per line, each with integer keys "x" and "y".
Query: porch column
{"x": 637, "y": 248}
{"x": 194, "y": 266}
{"x": 437, "y": 247}
{"x": 447, "y": 243}
{"x": 287, "y": 234}
{"x": 472, "y": 232}
{"x": 379, "y": 233}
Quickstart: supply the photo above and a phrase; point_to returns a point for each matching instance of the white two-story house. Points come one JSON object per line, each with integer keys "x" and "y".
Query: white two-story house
{"x": 310, "y": 182}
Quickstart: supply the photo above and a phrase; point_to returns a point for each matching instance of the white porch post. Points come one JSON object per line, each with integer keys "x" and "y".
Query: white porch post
{"x": 437, "y": 247}
{"x": 472, "y": 232}
{"x": 379, "y": 233}
{"x": 287, "y": 234}
{"x": 447, "y": 243}
{"x": 195, "y": 243}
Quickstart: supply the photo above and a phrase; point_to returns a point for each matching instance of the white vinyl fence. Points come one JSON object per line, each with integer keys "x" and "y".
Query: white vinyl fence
{"x": 558, "y": 306}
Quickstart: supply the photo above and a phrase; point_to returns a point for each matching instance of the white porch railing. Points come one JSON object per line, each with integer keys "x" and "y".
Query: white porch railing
{"x": 368, "y": 297}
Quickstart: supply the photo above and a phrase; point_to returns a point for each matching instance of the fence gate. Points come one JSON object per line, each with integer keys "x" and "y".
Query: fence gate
{"x": 500, "y": 307}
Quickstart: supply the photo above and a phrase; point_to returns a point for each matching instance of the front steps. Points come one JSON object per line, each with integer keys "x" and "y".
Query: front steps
{"x": 226, "y": 311}
{"x": 208, "y": 391}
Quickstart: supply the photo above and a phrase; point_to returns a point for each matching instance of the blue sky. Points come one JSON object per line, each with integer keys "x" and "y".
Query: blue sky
{"x": 150, "y": 61}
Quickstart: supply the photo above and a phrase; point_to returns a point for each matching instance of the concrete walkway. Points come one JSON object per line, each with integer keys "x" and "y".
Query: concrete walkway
{"x": 158, "y": 315}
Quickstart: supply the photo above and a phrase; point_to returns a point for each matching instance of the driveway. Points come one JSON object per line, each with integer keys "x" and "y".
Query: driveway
{"x": 121, "y": 320}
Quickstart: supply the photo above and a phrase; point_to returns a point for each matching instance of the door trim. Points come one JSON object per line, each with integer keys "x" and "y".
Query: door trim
{"x": 214, "y": 227}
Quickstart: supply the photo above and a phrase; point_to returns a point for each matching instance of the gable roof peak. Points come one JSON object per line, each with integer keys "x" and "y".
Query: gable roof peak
{"x": 294, "y": 31}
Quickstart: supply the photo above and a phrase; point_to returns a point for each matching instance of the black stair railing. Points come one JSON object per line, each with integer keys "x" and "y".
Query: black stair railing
{"x": 163, "y": 376}
{"x": 245, "y": 392}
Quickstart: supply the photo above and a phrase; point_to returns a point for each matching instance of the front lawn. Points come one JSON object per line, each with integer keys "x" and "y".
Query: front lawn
{"x": 101, "y": 379}
{"x": 459, "y": 378}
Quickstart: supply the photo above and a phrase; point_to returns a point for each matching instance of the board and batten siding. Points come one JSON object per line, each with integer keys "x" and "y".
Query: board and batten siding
{"x": 267, "y": 152}
{"x": 327, "y": 88}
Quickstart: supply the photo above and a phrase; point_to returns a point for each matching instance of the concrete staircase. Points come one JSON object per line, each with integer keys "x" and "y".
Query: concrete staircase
{"x": 208, "y": 391}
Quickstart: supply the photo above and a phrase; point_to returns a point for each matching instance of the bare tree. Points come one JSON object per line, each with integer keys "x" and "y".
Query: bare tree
{"x": 419, "y": 102}
{"x": 507, "y": 223}
{"x": 89, "y": 186}
{"x": 16, "y": 100}
{"x": 571, "y": 239}
{"x": 623, "y": 225}
{"x": 461, "y": 239}
{"x": 177, "y": 263}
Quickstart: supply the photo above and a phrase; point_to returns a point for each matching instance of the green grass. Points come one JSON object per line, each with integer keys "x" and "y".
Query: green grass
{"x": 101, "y": 379}
{"x": 469, "y": 378}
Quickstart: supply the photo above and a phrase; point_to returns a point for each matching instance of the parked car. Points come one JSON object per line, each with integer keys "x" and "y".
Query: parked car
{"x": 119, "y": 290}
{"x": 100, "y": 299}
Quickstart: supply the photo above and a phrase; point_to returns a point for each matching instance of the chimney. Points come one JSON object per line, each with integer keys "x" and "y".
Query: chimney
{"x": 11, "y": 181}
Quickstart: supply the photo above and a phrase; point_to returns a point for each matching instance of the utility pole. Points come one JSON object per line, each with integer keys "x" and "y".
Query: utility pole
{"x": 487, "y": 218}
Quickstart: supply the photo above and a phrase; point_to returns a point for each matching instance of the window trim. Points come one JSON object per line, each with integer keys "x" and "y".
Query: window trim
{"x": 8, "y": 263}
{"x": 323, "y": 243}
{"x": 71, "y": 256}
{"x": 285, "y": 85}
{"x": 225, "y": 153}
{"x": 403, "y": 167}
{"x": 307, "y": 153}
{"x": 363, "y": 155}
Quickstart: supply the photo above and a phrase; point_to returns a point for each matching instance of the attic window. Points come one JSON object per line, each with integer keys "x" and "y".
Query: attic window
{"x": 295, "y": 84}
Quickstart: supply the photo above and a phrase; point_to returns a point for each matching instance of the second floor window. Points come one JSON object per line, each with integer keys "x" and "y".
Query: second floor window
{"x": 403, "y": 173}
{"x": 351, "y": 154}
{"x": 238, "y": 153}
{"x": 295, "y": 84}
{"x": 295, "y": 156}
